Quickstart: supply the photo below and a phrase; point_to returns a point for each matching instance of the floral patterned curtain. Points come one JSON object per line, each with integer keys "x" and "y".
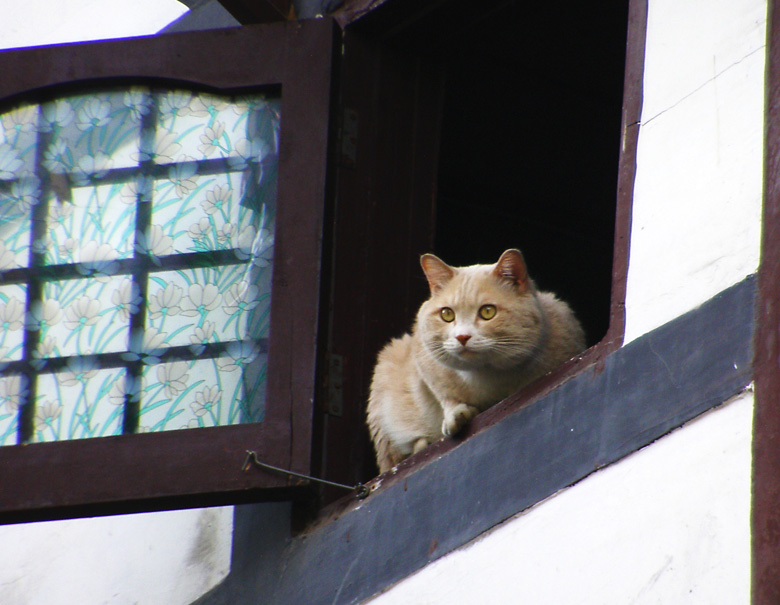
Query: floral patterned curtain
{"x": 136, "y": 239}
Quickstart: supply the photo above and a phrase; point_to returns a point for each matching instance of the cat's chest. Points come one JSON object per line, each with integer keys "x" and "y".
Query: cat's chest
{"x": 486, "y": 386}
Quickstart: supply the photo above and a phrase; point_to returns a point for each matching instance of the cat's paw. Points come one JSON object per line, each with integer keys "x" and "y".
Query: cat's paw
{"x": 420, "y": 445}
{"x": 457, "y": 417}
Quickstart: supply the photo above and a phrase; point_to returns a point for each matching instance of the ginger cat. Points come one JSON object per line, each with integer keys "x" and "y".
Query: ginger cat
{"x": 484, "y": 333}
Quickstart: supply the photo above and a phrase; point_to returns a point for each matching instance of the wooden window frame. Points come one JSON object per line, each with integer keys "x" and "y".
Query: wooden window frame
{"x": 201, "y": 467}
{"x": 765, "y": 506}
{"x": 384, "y": 86}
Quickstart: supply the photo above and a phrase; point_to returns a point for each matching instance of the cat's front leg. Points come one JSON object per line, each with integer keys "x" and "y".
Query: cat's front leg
{"x": 456, "y": 416}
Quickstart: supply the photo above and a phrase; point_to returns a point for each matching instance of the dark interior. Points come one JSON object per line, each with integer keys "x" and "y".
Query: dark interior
{"x": 530, "y": 139}
{"x": 530, "y": 144}
{"x": 477, "y": 127}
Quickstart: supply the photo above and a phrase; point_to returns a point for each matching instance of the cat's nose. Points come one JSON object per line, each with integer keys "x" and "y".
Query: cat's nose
{"x": 463, "y": 338}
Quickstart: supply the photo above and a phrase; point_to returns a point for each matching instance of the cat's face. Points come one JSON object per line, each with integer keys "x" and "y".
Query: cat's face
{"x": 482, "y": 316}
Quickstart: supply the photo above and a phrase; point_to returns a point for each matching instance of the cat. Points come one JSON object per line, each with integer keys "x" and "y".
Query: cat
{"x": 484, "y": 333}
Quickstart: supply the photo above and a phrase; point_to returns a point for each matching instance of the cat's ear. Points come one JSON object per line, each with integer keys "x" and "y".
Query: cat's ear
{"x": 511, "y": 266}
{"x": 437, "y": 271}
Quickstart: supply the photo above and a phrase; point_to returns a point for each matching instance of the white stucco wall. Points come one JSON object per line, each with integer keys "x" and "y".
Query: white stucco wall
{"x": 167, "y": 558}
{"x": 39, "y": 22}
{"x": 697, "y": 196}
{"x": 669, "y": 524}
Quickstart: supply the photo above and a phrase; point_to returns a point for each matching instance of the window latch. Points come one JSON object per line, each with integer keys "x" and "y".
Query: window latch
{"x": 361, "y": 490}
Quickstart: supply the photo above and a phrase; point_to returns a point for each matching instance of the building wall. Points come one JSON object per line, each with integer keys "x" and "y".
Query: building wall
{"x": 39, "y": 22}
{"x": 697, "y": 196}
{"x": 166, "y": 558}
{"x": 670, "y": 523}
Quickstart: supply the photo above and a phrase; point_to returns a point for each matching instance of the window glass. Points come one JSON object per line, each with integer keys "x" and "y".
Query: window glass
{"x": 136, "y": 240}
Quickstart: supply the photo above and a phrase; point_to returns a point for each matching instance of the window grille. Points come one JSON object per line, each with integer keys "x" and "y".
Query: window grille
{"x": 171, "y": 318}
{"x": 135, "y": 259}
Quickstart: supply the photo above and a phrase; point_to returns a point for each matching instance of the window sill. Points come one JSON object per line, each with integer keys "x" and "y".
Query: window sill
{"x": 594, "y": 410}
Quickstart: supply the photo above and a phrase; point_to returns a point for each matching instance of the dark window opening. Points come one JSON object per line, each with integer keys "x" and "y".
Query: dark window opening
{"x": 530, "y": 147}
{"x": 467, "y": 130}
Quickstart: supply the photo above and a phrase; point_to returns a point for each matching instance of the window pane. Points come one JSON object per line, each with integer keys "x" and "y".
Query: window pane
{"x": 17, "y": 198}
{"x": 95, "y": 226}
{"x": 77, "y": 402}
{"x": 12, "y": 319}
{"x": 197, "y": 306}
{"x": 136, "y": 244}
{"x": 12, "y": 390}
{"x": 18, "y": 142}
{"x": 83, "y": 317}
{"x": 204, "y": 126}
{"x": 91, "y": 134}
{"x": 207, "y": 212}
{"x": 201, "y": 393}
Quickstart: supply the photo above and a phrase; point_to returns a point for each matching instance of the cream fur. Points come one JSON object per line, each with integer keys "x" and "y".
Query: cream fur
{"x": 430, "y": 383}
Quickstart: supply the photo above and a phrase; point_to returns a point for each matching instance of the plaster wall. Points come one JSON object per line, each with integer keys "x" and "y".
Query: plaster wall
{"x": 669, "y": 524}
{"x": 697, "y": 198}
{"x": 168, "y": 558}
{"x": 39, "y": 22}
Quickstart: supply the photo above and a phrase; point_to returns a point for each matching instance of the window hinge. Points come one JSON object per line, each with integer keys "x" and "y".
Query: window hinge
{"x": 335, "y": 377}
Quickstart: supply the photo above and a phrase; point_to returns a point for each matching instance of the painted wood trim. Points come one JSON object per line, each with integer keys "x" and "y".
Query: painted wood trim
{"x": 182, "y": 469}
{"x": 765, "y": 510}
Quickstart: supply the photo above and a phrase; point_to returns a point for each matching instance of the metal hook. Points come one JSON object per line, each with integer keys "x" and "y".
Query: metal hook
{"x": 361, "y": 491}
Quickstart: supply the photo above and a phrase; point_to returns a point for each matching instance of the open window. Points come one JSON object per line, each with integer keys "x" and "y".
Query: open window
{"x": 162, "y": 205}
{"x": 467, "y": 130}
{"x": 463, "y": 130}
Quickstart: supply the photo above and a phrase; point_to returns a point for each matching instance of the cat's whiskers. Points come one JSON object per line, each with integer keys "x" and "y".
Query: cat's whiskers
{"x": 438, "y": 351}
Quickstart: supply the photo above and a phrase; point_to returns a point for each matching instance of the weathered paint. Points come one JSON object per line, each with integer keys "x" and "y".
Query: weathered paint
{"x": 170, "y": 558}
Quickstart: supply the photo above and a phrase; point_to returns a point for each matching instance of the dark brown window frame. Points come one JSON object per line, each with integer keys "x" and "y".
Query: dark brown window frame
{"x": 765, "y": 509}
{"x": 206, "y": 466}
{"x": 370, "y": 53}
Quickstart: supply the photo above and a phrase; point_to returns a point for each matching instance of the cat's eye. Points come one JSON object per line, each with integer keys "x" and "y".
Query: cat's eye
{"x": 487, "y": 311}
{"x": 447, "y": 314}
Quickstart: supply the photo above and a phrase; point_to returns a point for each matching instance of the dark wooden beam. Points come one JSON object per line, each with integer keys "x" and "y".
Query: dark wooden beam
{"x": 766, "y": 422}
{"x": 249, "y": 12}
